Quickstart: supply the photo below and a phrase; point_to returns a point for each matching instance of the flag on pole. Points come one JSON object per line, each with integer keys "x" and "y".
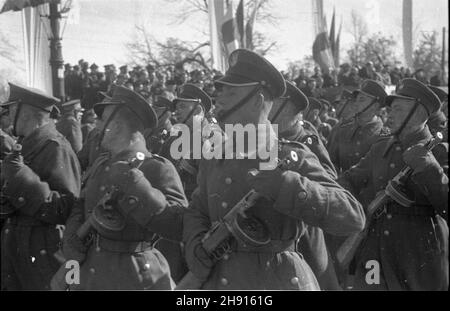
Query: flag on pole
{"x": 333, "y": 33}
{"x": 224, "y": 32}
{"x": 240, "y": 23}
{"x": 322, "y": 52}
{"x": 337, "y": 47}
{"x": 249, "y": 27}
{"x": 229, "y": 30}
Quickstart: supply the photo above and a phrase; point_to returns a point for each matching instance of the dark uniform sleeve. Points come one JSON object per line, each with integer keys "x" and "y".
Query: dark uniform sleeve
{"x": 333, "y": 146}
{"x": 357, "y": 177}
{"x": 75, "y": 136}
{"x": 164, "y": 178}
{"x": 310, "y": 194}
{"x": 196, "y": 224}
{"x": 51, "y": 195}
{"x": 317, "y": 147}
{"x": 433, "y": 181}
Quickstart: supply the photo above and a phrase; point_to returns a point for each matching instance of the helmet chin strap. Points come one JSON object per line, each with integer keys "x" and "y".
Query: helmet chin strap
{"x": 223, "y": 116}
{"x": 275, "y": 116}
{"x": 359, "y": 113}
{"x": 111, "y": 116}
{"x": 397, "y": 133}
{"x": 16, "y": 119}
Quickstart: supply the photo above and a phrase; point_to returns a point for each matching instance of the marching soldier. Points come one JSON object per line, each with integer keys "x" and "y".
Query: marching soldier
{"x": 70, "y": 123}
{"x": 157, "y": 137}
{"x": 409, "y": 241}
{"x": 285, "y": 114}
{"x": 40, "y": 186}
{"x": 191, "y": 105}
{"x": 129, "y": 196}
{"x": 354, "y": 138}
{"x": 305, "y": 194}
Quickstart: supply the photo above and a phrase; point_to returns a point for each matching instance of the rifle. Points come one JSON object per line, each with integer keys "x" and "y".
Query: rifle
{"x": 215, "y": 240}
{"x": 393, "y": 192}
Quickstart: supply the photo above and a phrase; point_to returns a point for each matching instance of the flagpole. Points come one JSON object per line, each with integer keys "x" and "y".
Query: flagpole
{"x": 56, "y": 58}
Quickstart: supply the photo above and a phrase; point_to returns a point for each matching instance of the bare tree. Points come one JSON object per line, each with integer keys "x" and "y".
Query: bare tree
{"x": 143, "y": 49}
{"x": 259, "y": 41}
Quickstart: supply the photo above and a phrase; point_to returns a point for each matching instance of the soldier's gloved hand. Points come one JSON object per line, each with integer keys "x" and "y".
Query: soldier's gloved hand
{"x": 419, "y": 158}
{"x": 74, "y": 248}
{"x": 11, "y": 164}
{"x": 267, "y": 183}
{"x": 24, "y": 186}
{"x": 138, "y": 198}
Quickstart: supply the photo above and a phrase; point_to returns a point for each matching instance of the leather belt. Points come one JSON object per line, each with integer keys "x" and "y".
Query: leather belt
{"x": 121, "y": 246}
{"x": 416, "y": 210}
{"x": 275, "y": 246}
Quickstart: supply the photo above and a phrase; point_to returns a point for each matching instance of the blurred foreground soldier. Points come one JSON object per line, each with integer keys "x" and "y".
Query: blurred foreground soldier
{"x": 89, "y": 123}
{"x": 353, "y": 139}
{"x": 438, "y": 121}
{"x": 408, "y": 240}
{"x": 40, "y": 185}
{"x": 286, "y": 114}
{"x": 129, "y": 195}
{"x": 190, "y": 106}
{"x": 156, "y": 137}
{"x": 70, "y": 123}
{"x": 262, "y": 254}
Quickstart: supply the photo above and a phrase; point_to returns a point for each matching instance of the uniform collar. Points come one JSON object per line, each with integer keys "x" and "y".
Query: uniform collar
{"x": 129, "y": 153}
{"x": 422, "y": 135}
{"x": 368, "y": 125}
{"x": 294, "y": 132}
{"x": 36, "y": 137}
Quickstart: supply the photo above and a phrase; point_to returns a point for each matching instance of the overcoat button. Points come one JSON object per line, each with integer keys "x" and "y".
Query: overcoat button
{"x": 398, "y": 148}
{"x": 224, "y": 281}
{"x": 102, "y": 188}
{"x": 386, "y": 232}
{"x": 224, "y": 204}
{"x": 392, "y": 165}
{"x": 43, "y": 252}
{"x": 92, "y": 270}
{"x": 107, "y": 169}
{"x": 226, "y": 257}
{"x": 302, "y": 195}
{"x": 146, "y": 266}
{"x": 294, "y": 280}
{"x": 389, "y": 216}
{"x": 228, "y": 180}
{"x": 21, "y": 199}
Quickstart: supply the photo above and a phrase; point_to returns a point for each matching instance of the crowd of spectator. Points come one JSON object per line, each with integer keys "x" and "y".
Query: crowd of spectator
{"x": 84, "y": 81}
{"x": 352, "y": 76}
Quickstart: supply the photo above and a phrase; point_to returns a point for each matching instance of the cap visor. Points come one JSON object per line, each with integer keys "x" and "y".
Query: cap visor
{"x": 389, "y": 99}
{"x": 233, "y": 80}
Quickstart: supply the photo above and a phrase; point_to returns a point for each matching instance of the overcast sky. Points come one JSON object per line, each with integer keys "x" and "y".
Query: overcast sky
{"x": 104, "y": 26}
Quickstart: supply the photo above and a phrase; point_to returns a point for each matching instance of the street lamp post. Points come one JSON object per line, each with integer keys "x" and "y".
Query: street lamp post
{"x": 56, "y": 58}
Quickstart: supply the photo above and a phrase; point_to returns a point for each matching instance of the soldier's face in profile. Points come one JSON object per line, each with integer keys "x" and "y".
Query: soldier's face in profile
{"x": 183, "y": 109}
{"x": 230, "y": 96}
{"x": 398, "y": 112}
